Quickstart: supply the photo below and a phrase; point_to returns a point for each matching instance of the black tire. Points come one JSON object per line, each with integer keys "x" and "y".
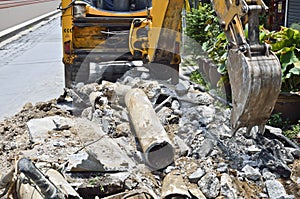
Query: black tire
{"x": 68, "y": 76}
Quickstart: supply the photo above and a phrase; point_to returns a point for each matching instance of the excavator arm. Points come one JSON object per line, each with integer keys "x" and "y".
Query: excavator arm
{"x": 254, "y": 71}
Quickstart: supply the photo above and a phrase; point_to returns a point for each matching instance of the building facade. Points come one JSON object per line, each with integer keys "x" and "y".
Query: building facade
{"x": 292, "y": 12}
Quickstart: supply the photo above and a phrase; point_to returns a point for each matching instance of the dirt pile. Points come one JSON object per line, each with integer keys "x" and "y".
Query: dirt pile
{"x": 14, "y": 134}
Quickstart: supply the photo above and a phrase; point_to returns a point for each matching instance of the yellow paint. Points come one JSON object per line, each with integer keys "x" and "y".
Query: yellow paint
{"x": 67, "y": 26}
{"x": 166, "y": 23}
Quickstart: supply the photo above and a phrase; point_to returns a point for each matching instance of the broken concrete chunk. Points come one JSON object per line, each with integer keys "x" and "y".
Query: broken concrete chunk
{"x": 169, "y": 169}
{"x": 122, "y": 129}
{"x": 274, "y": 130}
{"x": 206, "y": 148}
{"x": 100, "y": 186}
{"x": 227, "y": 188}
{"x": 207, "y": 114}
{"x": 173, "y": 185}
{"x": 175, "y": 105}
{"x": 181, "y": 147}
{"x": 267, "y": 175}
{"x": 87, "y": 113}
{"x": 151, "y": 88}
{"x": 163, "y": 114}
{"x": 195, "y": 191}
{"x": 59, "y": 144}
{"x": 94, "y": 97}
{"x": 294, "y": 152}
{"x": 39, "y": 128}
{"x": 251, "y": 173}
{"x": 209, "y": 184}
{"x": 252, "y": 149}
{"x": 199, "y": 97}
{"x": 182, "y": 88}
{"x": 222, "y": 167}
{"x": 84, "y": 161}
{"x": 275, "y": 189}
{"x": 61, "y": 124}
{"x": 273, "y": 164}
{"x": 197, "y": 175}
{"x": 115, "y": 92}
{"x": 106, "y": 150}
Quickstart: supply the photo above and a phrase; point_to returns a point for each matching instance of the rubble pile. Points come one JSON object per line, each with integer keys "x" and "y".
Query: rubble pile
{"x": 14, "y": 134}
{"x": 111, "y": 146}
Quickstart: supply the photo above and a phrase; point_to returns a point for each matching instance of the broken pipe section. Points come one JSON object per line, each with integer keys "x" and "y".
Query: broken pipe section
{"x": 174, "y": 187}
{"x": 155, "y": 143}
{"x": 47, "y": 188}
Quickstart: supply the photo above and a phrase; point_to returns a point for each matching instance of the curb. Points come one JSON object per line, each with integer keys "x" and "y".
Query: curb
{"x": 10, "y": 32}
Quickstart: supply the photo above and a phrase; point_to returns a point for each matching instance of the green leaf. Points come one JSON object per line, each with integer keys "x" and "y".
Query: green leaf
{"x": 222, "y": 68}
{"x": 288, "y": 58}
{"x": 295, "y": 71}
{"x": 297, "y": 64}
{"x": 289, "y": 32}
{"x": 281, "y": 44}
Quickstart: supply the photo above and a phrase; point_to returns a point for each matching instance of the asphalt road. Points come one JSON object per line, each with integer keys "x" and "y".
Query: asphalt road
{"x": 31, "y": 69}
{"x": 14, "y": 12}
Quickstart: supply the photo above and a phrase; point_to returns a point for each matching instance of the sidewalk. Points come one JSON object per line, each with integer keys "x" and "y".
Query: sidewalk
{"x": 15, "y": 12}
{"x": 10, "y": 32}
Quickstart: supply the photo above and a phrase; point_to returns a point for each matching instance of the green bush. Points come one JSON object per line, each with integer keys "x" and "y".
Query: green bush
{"x": 285, "y": 44}
{"x": 203, "y": 27}
{"x": 202, "y": 24}
{"x": 293, "y": 132}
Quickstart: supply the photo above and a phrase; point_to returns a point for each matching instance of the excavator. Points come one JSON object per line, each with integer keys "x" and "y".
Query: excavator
{"x": 149, "y": 30}
{"x": 128, "y": 30}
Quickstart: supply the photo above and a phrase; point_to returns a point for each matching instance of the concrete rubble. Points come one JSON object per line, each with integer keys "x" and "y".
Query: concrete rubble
{"x": 92, "y": 136}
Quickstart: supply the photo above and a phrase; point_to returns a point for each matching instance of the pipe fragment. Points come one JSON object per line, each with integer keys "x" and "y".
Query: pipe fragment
{"x": 155, "y": 143}
{"x": 174, "y": 186}
{"x": 47, "y": 188}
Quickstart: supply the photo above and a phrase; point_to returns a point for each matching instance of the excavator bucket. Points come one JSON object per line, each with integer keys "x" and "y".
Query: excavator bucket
{"x": 255, "y": 83}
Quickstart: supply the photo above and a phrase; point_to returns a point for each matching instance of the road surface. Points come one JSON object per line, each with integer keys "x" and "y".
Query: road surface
{"x": 14, "y": 12}
{"x": 31, "y": 69}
